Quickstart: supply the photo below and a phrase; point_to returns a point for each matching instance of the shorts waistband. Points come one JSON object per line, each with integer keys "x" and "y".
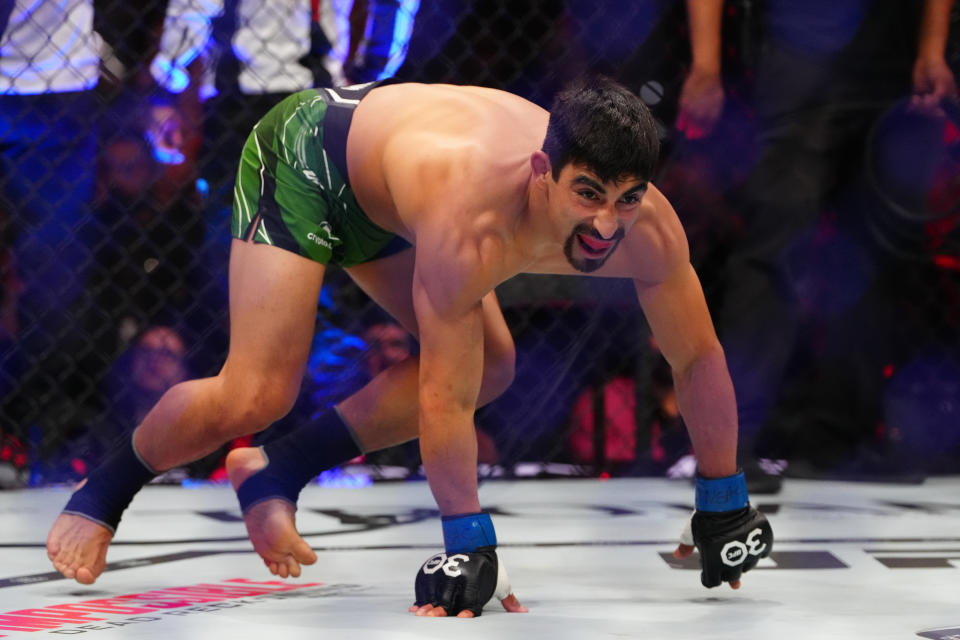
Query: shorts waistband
{"x": 341, "y": 103}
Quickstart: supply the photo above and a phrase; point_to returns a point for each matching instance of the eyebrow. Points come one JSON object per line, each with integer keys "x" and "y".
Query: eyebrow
{"x": 593, "y": 184}
{"x": 640, "y": 187}
{"x": 590, "y": 182}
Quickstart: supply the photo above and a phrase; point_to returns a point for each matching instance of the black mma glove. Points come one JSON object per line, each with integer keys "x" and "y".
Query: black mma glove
{"x": 468, "y": 573}
{"x": 730, "y": 535}
{"x": 460, "y": 581}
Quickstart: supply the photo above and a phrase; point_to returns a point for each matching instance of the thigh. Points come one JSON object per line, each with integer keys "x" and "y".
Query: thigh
{"x": 273, "y": 311}
{"x": 389, "y": 282}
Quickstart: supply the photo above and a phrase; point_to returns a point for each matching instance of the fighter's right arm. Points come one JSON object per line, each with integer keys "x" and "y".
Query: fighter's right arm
{"x": 424, "y": 179}
{"x": 451, "y": 369}
{"x": 450, "y": 280}
{"x": 440, "y": 202}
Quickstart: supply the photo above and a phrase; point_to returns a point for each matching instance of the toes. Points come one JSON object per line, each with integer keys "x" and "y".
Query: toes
{"x": 85, "y": 576}
{"x": 437, "y": 612}
{"x": 303, "y": 554}
{"x": 466, "y": 613}
{"x": 424, "y": 610}
{"x": 293, "y": 567}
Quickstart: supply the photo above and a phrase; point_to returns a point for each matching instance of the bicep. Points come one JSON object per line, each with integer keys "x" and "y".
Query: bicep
{"x": 678, "y": 316}
{"x": 451, "y": 340}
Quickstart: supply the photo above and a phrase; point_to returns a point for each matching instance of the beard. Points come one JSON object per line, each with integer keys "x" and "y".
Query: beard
{"x": 583, "y": 264}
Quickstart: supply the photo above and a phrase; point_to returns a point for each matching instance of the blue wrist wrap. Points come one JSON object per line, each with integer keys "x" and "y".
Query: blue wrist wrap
{"x": 722, "y": 494}
{"x": 111, "y": 486}
{"x": 468, "y": 532}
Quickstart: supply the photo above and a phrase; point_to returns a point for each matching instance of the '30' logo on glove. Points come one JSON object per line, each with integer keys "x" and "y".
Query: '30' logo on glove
{"x": 450, "y": 565}
{"x": 735, "y": 552}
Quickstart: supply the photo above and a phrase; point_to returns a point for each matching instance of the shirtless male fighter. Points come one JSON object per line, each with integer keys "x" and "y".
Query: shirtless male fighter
{"x": 429, "y": 196}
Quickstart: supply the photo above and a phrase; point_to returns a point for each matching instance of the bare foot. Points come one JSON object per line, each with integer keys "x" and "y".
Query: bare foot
{"x": 271, "y": 524}
{"x": 77, "y": 547}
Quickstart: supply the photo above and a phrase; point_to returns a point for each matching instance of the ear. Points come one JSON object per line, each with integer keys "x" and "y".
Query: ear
{"x": 540, "y": 163}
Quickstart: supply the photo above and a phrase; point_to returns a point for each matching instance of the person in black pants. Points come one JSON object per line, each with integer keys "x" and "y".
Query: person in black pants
{"x": 826, "y": 72}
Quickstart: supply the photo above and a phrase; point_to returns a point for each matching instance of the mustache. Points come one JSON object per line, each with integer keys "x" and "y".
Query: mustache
{"x": 586, "y": 229}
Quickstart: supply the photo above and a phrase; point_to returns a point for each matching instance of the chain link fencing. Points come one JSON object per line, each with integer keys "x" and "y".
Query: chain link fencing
{"x": 122, "y": 125}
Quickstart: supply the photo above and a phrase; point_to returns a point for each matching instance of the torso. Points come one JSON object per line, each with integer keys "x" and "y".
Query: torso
{"x": 407, "y": 140}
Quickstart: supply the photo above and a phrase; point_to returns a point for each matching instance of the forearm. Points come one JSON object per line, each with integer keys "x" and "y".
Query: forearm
{"x": 709, "y": 409}
{"x": 704, "y": 18}
{"x": 934, "y": 29}
{"x": 448, "y": 446}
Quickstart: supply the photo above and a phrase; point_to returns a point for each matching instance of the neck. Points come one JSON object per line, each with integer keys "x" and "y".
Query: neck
{"x": 533, "y": 231}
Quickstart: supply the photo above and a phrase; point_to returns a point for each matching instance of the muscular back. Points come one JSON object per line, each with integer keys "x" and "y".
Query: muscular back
{"x": 409, "y": 143}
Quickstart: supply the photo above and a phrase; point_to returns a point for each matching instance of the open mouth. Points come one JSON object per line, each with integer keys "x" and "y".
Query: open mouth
{"x": 592, "y": 246}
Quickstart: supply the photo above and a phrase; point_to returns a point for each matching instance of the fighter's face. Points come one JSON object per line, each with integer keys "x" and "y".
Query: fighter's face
{"x": 600, "y": 214}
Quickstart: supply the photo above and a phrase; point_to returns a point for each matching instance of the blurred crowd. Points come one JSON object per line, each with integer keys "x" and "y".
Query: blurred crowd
{"x": 811, "y": 149}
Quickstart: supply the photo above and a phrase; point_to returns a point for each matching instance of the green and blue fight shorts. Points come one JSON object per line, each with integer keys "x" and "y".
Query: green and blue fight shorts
{"x": 292, "y": 188}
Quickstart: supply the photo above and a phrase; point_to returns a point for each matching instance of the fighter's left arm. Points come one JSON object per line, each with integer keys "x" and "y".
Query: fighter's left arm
{"x": 730, "y": 534}
{"x": 681, "y": 325}
{"x": 672, "y": 299}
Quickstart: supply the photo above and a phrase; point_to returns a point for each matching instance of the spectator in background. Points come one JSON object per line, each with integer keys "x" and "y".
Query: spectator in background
{"x": 339, "y": 364}
{"x": 269, "y": 40}
{"x": 153, "y": 361}
{"x": 49, "y": 63}
{"x": 11, "y": 286}
{"x": 144, "y": 268}
{"x": 14, "y": 458}
{"x": 147, "y": 262}
{"x": 382, "y": 47}
{"x": 663, "y": 438}
{"x": 274, "y": 47}
{"x": 387, "y": 343}
{"x": 826, "y": 72}
{"x": 702, "y": 96}
{"x": 144, "y": 265}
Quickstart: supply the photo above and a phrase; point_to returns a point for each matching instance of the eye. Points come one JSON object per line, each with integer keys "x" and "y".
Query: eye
{"x": 587, "y": 194}
{"x": 631, "y": 199}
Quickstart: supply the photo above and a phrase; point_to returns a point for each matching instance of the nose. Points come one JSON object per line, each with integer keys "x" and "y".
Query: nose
{"x": 606, "y": 224}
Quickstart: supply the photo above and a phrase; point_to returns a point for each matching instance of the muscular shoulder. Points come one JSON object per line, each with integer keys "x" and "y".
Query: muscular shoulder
{"x": 442, "y": 139}
{"x": 656, "y": 245}
{"x": 446, "y": 180}
{"x": 456, "y": 266}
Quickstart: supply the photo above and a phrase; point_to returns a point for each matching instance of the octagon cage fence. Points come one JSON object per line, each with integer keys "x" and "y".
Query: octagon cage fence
{"x": 115, "y": 203}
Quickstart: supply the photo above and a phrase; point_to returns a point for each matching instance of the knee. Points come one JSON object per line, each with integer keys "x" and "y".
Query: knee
{"x": 499, "y": 370}
{"x": 254, "y": 405}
